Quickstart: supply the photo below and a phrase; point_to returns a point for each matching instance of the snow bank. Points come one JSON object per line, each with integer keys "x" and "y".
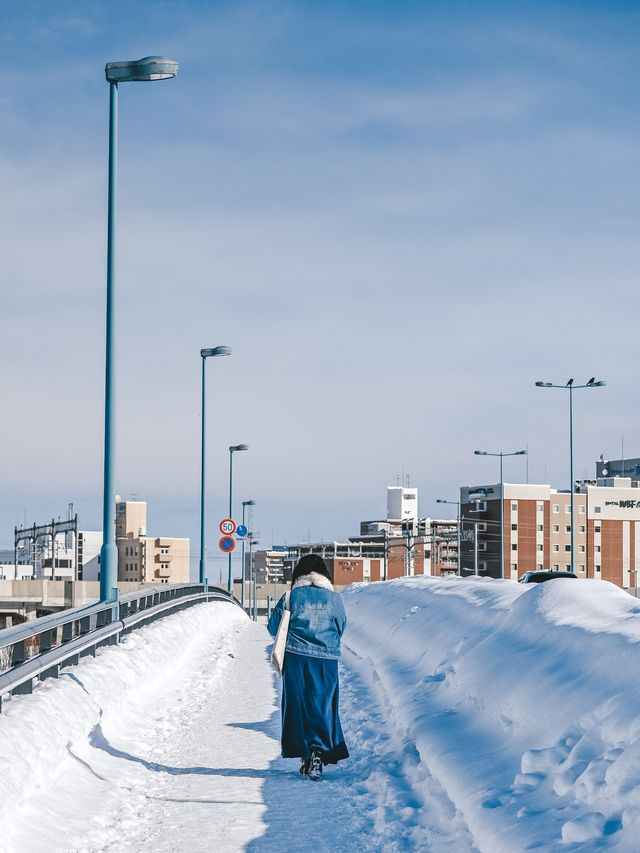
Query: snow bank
{"x": 37, "y": 731}
{"x": 523, "y": 701}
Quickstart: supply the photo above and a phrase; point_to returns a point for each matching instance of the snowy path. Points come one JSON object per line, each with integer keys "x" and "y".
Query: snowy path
{"x": 192, "y": 763}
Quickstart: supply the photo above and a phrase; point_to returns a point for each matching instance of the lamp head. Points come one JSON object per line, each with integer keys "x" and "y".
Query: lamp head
{"x": 480, "y": 452}
{"x": 141, "y": 70}
{"x": 248, "y": 503}
{"x": 215, "y": 351}
{"x": 544, "y": 384}
{"x": 569, "y": 383}
{"x": 234, "y": 447}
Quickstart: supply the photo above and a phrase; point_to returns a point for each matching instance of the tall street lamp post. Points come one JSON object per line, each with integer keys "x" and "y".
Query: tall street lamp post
{"x": 204, "y": 355}
{"x": 502, "y": 456}
{"x": 141, "y": 70}
{"x": 456, "y": 504}
{"x": 244, "y": 505}
{"x": 234, "y": 448}
{"x": 570, "y": 387}
{"x": 253, "y": 592}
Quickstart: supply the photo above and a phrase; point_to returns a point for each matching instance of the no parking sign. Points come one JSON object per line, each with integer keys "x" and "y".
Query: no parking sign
{"x": 227, "y": 544}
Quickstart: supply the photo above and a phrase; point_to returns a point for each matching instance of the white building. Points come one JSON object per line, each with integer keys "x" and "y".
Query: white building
{"x": 402, "y": 503}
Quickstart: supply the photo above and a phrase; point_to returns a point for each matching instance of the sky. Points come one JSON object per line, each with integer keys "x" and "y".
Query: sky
{"x": 398, "y": 215}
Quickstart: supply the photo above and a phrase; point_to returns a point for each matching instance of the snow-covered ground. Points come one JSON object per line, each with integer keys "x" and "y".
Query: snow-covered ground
{"x": 522, "y": 701}
{"x": 480, "y": 715}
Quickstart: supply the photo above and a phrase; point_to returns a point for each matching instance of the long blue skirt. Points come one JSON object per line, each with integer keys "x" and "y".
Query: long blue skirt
{"x": 310, "y": 719}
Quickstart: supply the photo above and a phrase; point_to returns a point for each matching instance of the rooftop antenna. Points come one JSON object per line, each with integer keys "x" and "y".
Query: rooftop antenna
{"x": 622, "y": 442}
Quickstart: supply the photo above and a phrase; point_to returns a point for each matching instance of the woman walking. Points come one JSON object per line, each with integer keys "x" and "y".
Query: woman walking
{"x": 311, "y": 727}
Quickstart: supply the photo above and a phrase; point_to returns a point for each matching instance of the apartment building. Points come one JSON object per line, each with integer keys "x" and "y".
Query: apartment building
{"x": 147, "y": 559}
{"x": 269, "y": 565}
{"x": 536, "y": 532}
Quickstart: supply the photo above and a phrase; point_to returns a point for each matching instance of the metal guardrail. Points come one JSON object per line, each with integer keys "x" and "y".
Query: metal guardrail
{"x": 39, "y": 648}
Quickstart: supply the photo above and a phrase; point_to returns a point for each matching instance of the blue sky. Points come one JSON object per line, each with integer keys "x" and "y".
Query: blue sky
{"x": 398, "y": 215}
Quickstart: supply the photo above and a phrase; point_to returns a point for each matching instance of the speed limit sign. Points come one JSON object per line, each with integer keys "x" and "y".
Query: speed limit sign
{"x": 227, "y": 526}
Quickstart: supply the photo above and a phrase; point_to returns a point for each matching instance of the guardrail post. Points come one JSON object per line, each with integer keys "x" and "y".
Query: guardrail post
{"x": 46, "y": 641}
{"x": 18, "y": 654}
{"x": 67, "y": 632}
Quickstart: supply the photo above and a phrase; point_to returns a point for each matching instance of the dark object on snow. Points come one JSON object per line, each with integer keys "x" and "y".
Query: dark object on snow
{"x": 540, "y": 577}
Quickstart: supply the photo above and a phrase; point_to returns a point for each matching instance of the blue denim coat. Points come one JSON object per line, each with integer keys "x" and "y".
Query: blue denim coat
{"x": 316, "y": 623}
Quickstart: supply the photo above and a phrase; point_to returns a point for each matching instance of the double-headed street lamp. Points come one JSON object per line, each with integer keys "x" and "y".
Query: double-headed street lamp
{"x": 456, "y": 504}
{"x": 244, "y": 505}
{"x": 141, "y": 70}
{"x": 570, "y": 387}
{"x": 234, "y": 448}
{"x": 502, "y": 455}
{"x": 204, "y": 355}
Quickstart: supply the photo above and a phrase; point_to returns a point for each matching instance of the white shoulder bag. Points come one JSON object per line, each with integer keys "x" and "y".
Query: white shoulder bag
{"x": 280, "y": 642}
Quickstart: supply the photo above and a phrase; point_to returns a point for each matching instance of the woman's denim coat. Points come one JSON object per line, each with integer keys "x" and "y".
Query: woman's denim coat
{"x": 316, "y": 624}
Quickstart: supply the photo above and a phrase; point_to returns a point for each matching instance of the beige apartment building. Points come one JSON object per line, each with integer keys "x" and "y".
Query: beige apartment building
{"x": 147, "y": 559}
{"x": 537, "y": 529}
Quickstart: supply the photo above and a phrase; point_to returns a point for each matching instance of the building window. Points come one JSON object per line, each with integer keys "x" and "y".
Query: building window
{"x": 567, "y": 547}
{"x": 598, "y": 549}
{"x": 556, "y": 548}
{"x": 581, "y": 548}
{"x": 482, "y": 527}
{"x": 581, "y": 509}
{"x": 514, "y": 567}
{"x": 581, "y": 567}
{"x": 556, "y": 528}
{"x": 540, "y": 547}
{"x": 514, "y": 506}
{"x": 514, "y": 526}
{"x": 539, "y": 566}
{"x": 567, "y": 508}
{"x": 567, "y": 528}
{"x": 597, "y": 509}
{"x": 555, "y": 567}
{"x": 540, "y": 528}
{"x": 596, "y": 528}
{"x": 581, "y": 529}
{"x": 556, "y": 507}
{"x": 540, "y": 507}
{"x": 598, "y": 569}
{"x": 567, "y": 567}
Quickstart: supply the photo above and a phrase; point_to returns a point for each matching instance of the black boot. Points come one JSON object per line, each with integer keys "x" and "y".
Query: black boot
{"x": 315, "y": 767}
{"x": 304, "y": 767}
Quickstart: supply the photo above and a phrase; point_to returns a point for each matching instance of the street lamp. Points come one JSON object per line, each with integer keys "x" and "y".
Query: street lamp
{"x": 244, "y": 504}
{"x": 252, "y": 575}
{"x": 149, "y": 68}
{"x": 205, "y": 354}
{"x": 501, "y": 454}
{"x": 234, "y": 448}
{"x": 570, "y": 387}
{"x": 456, "y": 504}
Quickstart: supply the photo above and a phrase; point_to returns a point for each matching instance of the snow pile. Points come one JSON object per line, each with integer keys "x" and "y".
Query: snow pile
{"x": 39, "y": 733}
{"x": 522, "y": 701}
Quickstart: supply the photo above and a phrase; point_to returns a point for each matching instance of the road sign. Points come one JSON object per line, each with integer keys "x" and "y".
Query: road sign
{"x": 227, "y": 544}
{"x": 227, "y": 526}
{"x": 241, "y": 530}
